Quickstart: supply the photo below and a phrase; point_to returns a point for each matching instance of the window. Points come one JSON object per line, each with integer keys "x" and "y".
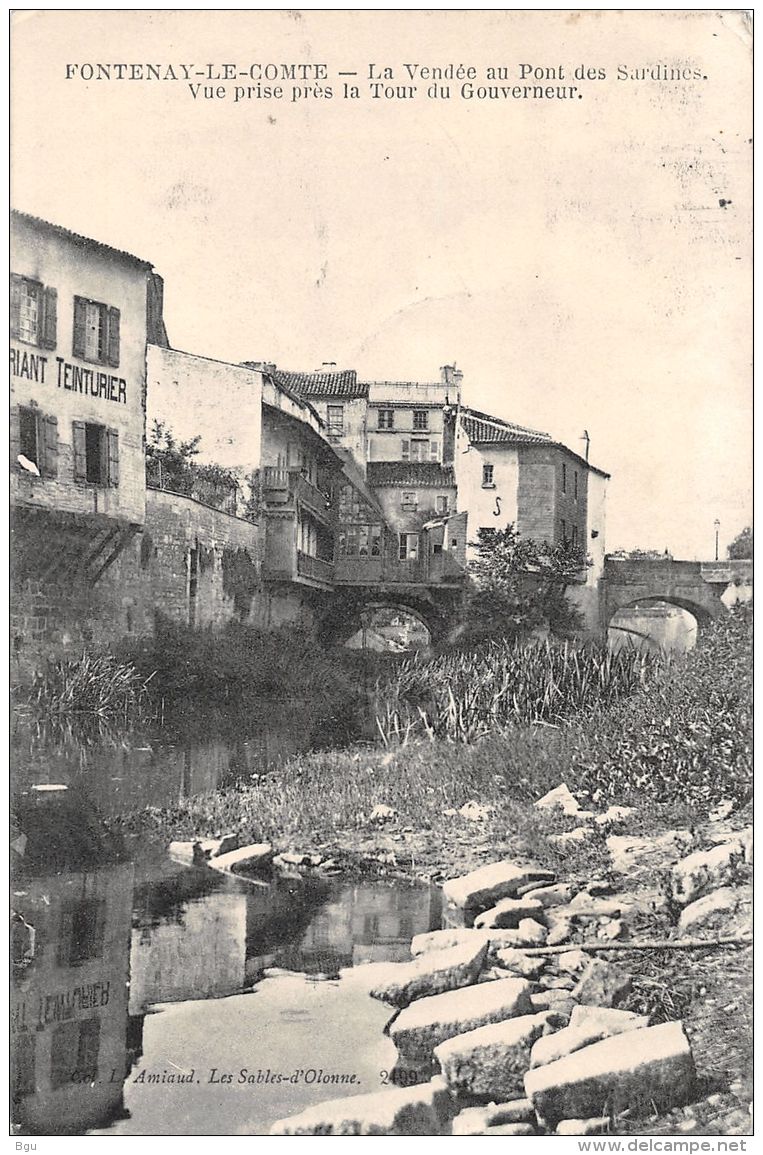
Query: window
{"x": 335, "y": 419}
{"x": 434, "y": 451}
{"x": 564, "y": 478}
{"x": 575, "y": 483}
{"x": 409, "y": 501}
{"x": 24, "y": 1082}
{"x": 441, "y": 503}
{"x": 360, "y": 541}
{"x": 409, "y": 547}
{"x": 574, "y": 539}
{"x": 96, "y": 332}
{"x": 386, "y": 419}
{"x": 564, "y": 531}
{"x": 420, "y": 419}
{"x": 33, "y": 312}
{"x": 419, "y": 449}
{"x": 96, "y": 453}
{"x": 487, "y": 476}
{"x": 34, "y": 441}
{"x": 81, "y": 934}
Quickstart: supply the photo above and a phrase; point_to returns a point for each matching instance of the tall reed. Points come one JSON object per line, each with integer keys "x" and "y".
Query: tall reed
{"x": 96, "y": 685}
{"x": 464, "y": 695}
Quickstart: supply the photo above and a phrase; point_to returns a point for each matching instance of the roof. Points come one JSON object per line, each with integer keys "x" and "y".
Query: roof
{"x": 481, "y": 428}
{"x": 78, "y": 240}
{"x": 341, "y": 383}
{"x": 411, "y": 473}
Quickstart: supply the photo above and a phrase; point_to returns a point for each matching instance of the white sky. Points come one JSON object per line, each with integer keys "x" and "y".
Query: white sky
{"x": 571, "y": 257}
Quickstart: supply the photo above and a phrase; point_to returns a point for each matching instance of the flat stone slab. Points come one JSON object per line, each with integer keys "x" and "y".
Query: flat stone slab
{"x": 724, "y": 911}
{"x": 490, "y": 1062}
{"x": 509, "y": 912}
{"x": 656, "y": 1067}
{"x": 560, "y": 798}
{"x": 632, "y": 855}
{"x": 443, "y": 939}
{"x": 603, "y": 985}
{"x": 706, "y": 870}
{"x": 598, "y": 1126}
{"x": 559, "y": 894}
{"x": 421, "y": 1110}
{"x": 527, "y": 966}
{"x": 425, "y": 1024}
{"x": 254, "y": 857}
{"x": 429, "y": 974}
{"x": 476, "y": 1120}
{"x": 488, "y": 884}
{"x": 582, "y": 1033}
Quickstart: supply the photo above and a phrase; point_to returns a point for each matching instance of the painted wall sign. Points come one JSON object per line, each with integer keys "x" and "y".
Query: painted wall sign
{"x": 65, "y": 375}
{"x": 62, "y": 1005}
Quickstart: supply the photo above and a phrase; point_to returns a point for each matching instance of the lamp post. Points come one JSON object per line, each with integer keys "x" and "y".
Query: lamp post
{"x": 717, "y": 526}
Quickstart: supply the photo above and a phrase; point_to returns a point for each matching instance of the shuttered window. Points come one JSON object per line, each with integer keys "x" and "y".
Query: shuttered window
{"x": 96, "y": 332}
{"x": 81, "y": 932}
{"x": 34, "y": 312}
{"x": 96, "y": 453}
{"x": 74, "y": 1053}
{"x": 34, "y": 441}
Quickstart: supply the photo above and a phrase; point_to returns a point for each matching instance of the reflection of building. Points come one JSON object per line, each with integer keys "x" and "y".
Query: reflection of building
{"x": 69, "y": 999}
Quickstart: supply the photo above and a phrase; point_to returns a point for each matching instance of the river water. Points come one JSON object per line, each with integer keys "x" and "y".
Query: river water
{"x": 153, "y": 998}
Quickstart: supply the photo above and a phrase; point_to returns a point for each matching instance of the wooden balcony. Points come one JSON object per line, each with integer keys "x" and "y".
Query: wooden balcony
{"x": 315, "y": 568}
{"x": 283, "y": 488}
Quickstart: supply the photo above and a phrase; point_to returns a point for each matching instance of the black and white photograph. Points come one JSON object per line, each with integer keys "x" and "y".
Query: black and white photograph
{"x": 381, "y": 576}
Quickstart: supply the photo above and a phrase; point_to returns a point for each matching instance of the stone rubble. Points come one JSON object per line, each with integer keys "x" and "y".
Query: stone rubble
{"x": 540, "y": 1038}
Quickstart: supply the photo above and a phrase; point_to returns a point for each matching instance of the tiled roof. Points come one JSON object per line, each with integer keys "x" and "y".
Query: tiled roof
{"x": 80, "y": 241}
{"x": 342, "y": 383}
{"x": 482, "y": 428}
{"x": 412, "y": 473}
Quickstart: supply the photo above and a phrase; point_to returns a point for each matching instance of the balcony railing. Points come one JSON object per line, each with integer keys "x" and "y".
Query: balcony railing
{"x": 281, "y": 487}
{"x": 440, "y": 568}
{"x": 314, "y": 567}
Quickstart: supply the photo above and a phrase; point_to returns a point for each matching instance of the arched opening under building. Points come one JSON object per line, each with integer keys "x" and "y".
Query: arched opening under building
{"x": 390, "y": 630}
{"x": 655, "y": 626}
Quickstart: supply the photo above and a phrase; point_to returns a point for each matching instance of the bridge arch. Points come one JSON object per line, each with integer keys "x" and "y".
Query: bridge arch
{"x": 351, "y": 608}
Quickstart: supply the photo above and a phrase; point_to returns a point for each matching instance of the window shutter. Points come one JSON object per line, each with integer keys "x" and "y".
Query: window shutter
{"x": 406, "y": 449}
{"x": 433, "y": 450}
{"x": 49, "y": 319}
{"x": 80, "y": 450}
{"x": 65, "y": 936}
{"x": 16, "y": 283}
{"x": 49, "y": 456}
{"x": 80, "y": 317}
{"x": 113, "y": 449}
{"x": 112, "y": 356}
{"x": 15, "y": 434}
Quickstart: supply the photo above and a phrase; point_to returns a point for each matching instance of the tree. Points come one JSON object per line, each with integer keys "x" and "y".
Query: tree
{"x": 168, "y": 461}
{"x": 519, "y": 585}
{"x": 741, "y": 546}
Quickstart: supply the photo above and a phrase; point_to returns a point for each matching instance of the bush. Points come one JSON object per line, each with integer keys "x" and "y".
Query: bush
{"x": 95, "y": 685}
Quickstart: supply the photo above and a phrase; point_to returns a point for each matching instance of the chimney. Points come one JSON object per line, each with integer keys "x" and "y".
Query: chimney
{"x": 328, "y": 367}
{"x": 262, "y": 366}
{"x": 451, "y": 378}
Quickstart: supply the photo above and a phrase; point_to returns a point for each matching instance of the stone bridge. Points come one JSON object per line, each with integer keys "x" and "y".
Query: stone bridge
{"x": 696, "y": 586}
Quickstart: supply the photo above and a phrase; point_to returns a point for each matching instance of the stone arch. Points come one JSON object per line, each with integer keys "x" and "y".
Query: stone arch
{"x": 701, "y": 613}
{"x": 436, "y": 613}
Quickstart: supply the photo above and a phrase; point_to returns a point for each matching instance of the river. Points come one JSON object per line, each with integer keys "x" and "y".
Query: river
{"x": 152, "y": 998}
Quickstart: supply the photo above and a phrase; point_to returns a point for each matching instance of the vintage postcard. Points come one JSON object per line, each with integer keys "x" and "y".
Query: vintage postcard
{"x": 381, "y": 575}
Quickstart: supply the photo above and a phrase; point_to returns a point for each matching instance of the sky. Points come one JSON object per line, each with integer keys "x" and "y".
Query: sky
{"x": 585, "y": 261}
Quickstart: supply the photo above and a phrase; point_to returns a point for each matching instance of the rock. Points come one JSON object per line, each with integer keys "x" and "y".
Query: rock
{"x": 476, "y": 1120}
{"x": 585, "y": 905}
{"x": 633, "y": 856}
{"x": 225, "y": 844}
{"x": 430, "y": 974}
{"x": 492, "y": 1060}
{"x": 559, "y": 929}
{"x": 552, "y": 1000}
{"x": 613, "y": 930}
{"x": 509, "y": 912}
{"x": 581, "y": 1033}
{"x": 532, "y": 933}
{"x": 722, "y": 811}
{"x": 474, "y": 892}
{"x": 613, "y": 815}
{"x": 382, "y": 813}
{"x": 612, "y": 1021}
{"x": 424, "y": 1109}
{"x": 473, "y": 812}
{"x": 425, "y": 1024}
{"x": 747, "y": 840}
{"x": 558, "y": 895}
{"x": 706, "y": 870}
{"x": 511, "y": 1129}
{"x": 556, "y": 983}
{"x": 194, "y": 853}
{"x": 289, "y": 859}
{"x": 602, "y": 985}
{"x": 572, "y": 961}
{"x": 527, "y": 966}
{"x": 597, "y": 1126}
{"x": 442, "y": 939}
{"x": 560, "y": 798}
{"x": 723, "y": 912}
{"x": 247, "y": 858}
{"x": 655, "y": 1067}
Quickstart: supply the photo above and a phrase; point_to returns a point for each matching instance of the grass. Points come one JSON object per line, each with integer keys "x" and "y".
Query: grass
{"x": 95, "y": 686}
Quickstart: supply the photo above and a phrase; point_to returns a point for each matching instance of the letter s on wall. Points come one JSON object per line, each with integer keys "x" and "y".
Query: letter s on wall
{"x": 497, "y": 510}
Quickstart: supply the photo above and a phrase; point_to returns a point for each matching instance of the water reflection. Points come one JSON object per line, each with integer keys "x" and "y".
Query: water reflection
{"x": 113, "y": 959}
